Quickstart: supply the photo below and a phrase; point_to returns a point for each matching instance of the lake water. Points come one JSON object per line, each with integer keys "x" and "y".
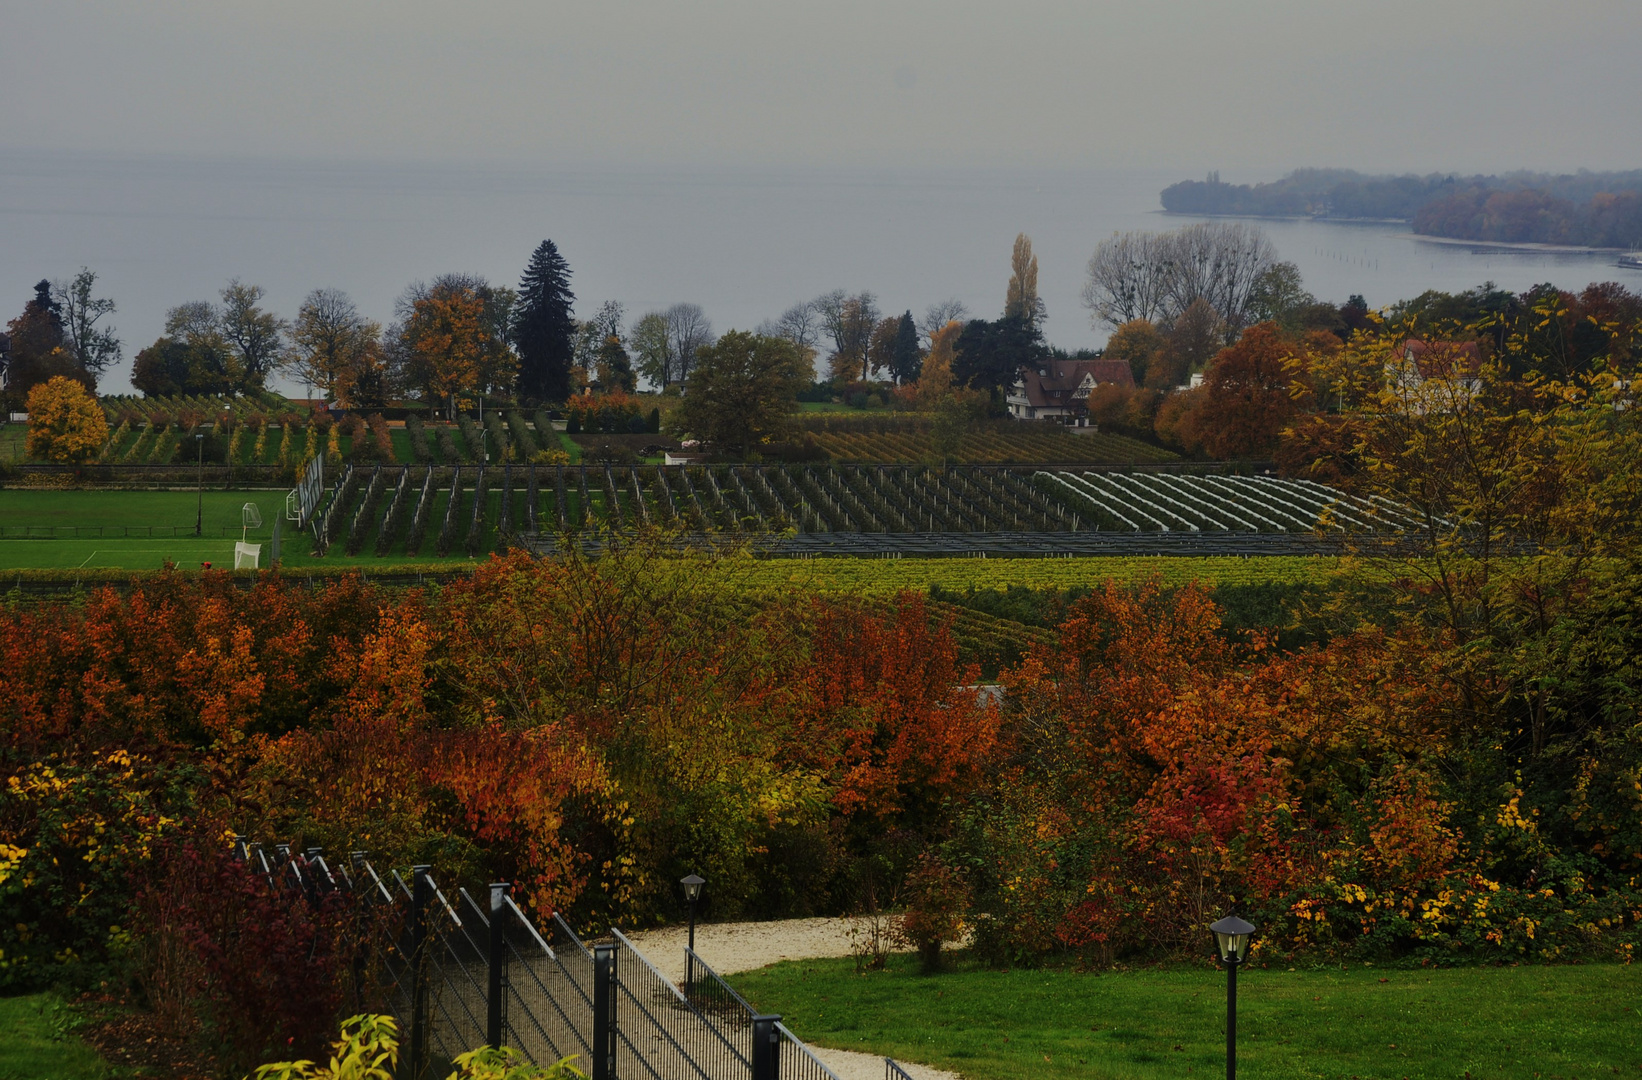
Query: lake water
{"x": 743, "y": 244}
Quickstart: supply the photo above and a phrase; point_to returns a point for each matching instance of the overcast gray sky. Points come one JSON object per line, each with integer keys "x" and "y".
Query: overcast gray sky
{"x": 1257, "y": 86}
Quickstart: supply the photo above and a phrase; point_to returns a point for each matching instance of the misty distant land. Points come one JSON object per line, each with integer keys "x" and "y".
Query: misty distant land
{"x": 1600, "y": 211}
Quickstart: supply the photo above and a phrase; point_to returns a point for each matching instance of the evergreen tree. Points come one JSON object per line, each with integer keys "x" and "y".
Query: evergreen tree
{"x": 905, "y": 360}
{"x": 991, "y": 354}
{"x": 544, "y": 330}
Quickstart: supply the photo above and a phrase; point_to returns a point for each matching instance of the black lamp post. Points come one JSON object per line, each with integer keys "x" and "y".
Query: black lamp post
{"x": 1231, "y": 942}
{"x": 692, "y": 892}
{"x": 199, "y": 483}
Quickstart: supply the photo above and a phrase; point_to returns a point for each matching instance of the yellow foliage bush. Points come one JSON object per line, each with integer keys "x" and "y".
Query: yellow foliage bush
{"x": 369, "y": 1050}
{"x": 65, "y": 422}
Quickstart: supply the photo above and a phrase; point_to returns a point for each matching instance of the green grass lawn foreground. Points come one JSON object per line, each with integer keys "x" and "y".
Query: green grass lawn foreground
{"x": 37, "y": 1042}
{"x": 1556, "y": 1023}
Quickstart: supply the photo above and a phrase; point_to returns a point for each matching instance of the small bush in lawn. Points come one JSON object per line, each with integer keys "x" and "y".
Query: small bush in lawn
{"x": 938, "y": 903}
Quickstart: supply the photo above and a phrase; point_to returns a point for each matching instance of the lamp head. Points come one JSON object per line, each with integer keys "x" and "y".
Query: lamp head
{"x": 1231, "y": 939}
{"x": 692, "y": 887}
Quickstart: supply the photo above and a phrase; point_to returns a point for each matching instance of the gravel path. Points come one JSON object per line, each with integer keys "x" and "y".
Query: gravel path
{"x": 731, "y": 947}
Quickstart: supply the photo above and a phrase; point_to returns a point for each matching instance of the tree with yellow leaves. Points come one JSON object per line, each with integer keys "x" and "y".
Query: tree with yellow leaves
{"x": 1022, "y": 300}
{"x": 65, "y": 422}
{"x": 935, "y": 380}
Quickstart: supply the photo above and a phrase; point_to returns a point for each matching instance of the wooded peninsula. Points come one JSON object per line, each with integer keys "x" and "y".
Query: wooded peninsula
{"x": 1591, "y": 209}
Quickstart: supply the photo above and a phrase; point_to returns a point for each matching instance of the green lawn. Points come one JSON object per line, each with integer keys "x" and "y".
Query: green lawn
{"x": 116, "y": 509}
{"x": 12, "y": 439}
{"x": 37, "y": 1043}
{"x": 1362, "y": 1024}
{"x": 123, "y": 517}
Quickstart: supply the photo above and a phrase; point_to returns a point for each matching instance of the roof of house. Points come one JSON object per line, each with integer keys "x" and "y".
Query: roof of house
{"x": 1442, "y": 359}
{"x": 1062, "y": 383}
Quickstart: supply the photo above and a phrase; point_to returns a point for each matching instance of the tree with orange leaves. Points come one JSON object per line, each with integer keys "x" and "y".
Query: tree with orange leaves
{"x": 454, "y": 337}
{"x": 1249, "y": 394}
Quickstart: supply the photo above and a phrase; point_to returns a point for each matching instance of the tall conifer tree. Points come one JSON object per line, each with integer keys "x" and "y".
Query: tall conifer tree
{"x": 544, "y": 330}
{"x": 906, "y": 360}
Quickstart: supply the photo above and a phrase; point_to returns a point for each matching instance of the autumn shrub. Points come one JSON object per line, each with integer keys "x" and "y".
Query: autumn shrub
{"x": 76, "y": 828}
{"x": 606, "y": 414}
{"x": 368, "y": 1049}
{"x": 937, "y": 904}
{"x": 198, "y": 914}
{"x": 1159, "y": 773}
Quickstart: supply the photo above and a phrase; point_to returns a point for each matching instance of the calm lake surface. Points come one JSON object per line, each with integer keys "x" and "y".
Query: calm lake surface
{"x": 743, "y": 244}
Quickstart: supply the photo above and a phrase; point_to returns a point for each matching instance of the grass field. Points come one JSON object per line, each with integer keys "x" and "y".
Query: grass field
{"x": 12, "y": 439}
{"x": 168, "y": 519}
{"x": 168, "y": 515}
{"x": 37, "y": 1043}
{"x": 1363, "y": 1024}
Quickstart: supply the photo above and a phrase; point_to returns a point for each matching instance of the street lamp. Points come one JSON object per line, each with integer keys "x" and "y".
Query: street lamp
{"x": 199, "y": 510}
{"x": 692, "y": 892}
{"x": 1231, "y": 941}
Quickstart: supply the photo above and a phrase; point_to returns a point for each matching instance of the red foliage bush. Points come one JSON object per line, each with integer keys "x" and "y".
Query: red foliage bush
{"x": 254, "y": 964}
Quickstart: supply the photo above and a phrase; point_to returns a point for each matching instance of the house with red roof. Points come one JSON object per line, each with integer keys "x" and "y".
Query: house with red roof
{"x": 1059, "y": 389}
{"x": 1458, "y": 362}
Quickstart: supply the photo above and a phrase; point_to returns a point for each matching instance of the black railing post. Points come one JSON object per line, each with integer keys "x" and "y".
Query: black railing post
{"x": 604, "y": 1012}
{"x": 766, "y": 1048}
{"x": 496, "y": 985}
{"x": 421, "y": 897}
{"x": 361, "y": 922}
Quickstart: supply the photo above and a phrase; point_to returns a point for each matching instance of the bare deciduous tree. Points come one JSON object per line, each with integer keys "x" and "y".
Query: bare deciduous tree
{"x": 1220, "y": 262}
{"x": 94, "y": 347}
{"x": 1128, "y": 279}
{"x": 801, "y": 325}
{"x": 1156, "y": 276}
{"x": 688, "y": 329}
{"x": 936, "y": 316}
{"x": 849, "y": 321}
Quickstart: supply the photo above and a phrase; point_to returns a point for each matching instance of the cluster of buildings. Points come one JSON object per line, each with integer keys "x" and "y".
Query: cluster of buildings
{"x": 1059, "y": 390}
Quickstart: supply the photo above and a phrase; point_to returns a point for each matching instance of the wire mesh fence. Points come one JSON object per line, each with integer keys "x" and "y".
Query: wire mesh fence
{"x": 459, "y": 973}
{"x": 662, "y": 1034}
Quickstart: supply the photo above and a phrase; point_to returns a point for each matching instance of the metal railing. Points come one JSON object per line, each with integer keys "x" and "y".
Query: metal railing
{"x": 660, "y": 1033}
{"x": 893, "y": 1071}
{"x": 795, "y": 1061}
{"x": 458, "y": 975}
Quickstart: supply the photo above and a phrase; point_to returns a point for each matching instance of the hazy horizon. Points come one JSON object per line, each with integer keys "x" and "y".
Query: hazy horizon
{"x": 1176, "y": 84}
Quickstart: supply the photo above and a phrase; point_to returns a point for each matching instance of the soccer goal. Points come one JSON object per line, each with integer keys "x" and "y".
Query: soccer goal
{"x": 248, "y": 556}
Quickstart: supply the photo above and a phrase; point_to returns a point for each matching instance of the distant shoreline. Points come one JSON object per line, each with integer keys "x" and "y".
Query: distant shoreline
{"x": 1454, "y": 241}
{"x": 1293, "y": 217}
{"x": 1524, "y": 246}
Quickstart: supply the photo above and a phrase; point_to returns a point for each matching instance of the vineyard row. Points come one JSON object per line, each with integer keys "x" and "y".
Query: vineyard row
{"x": 440, "y": 510}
